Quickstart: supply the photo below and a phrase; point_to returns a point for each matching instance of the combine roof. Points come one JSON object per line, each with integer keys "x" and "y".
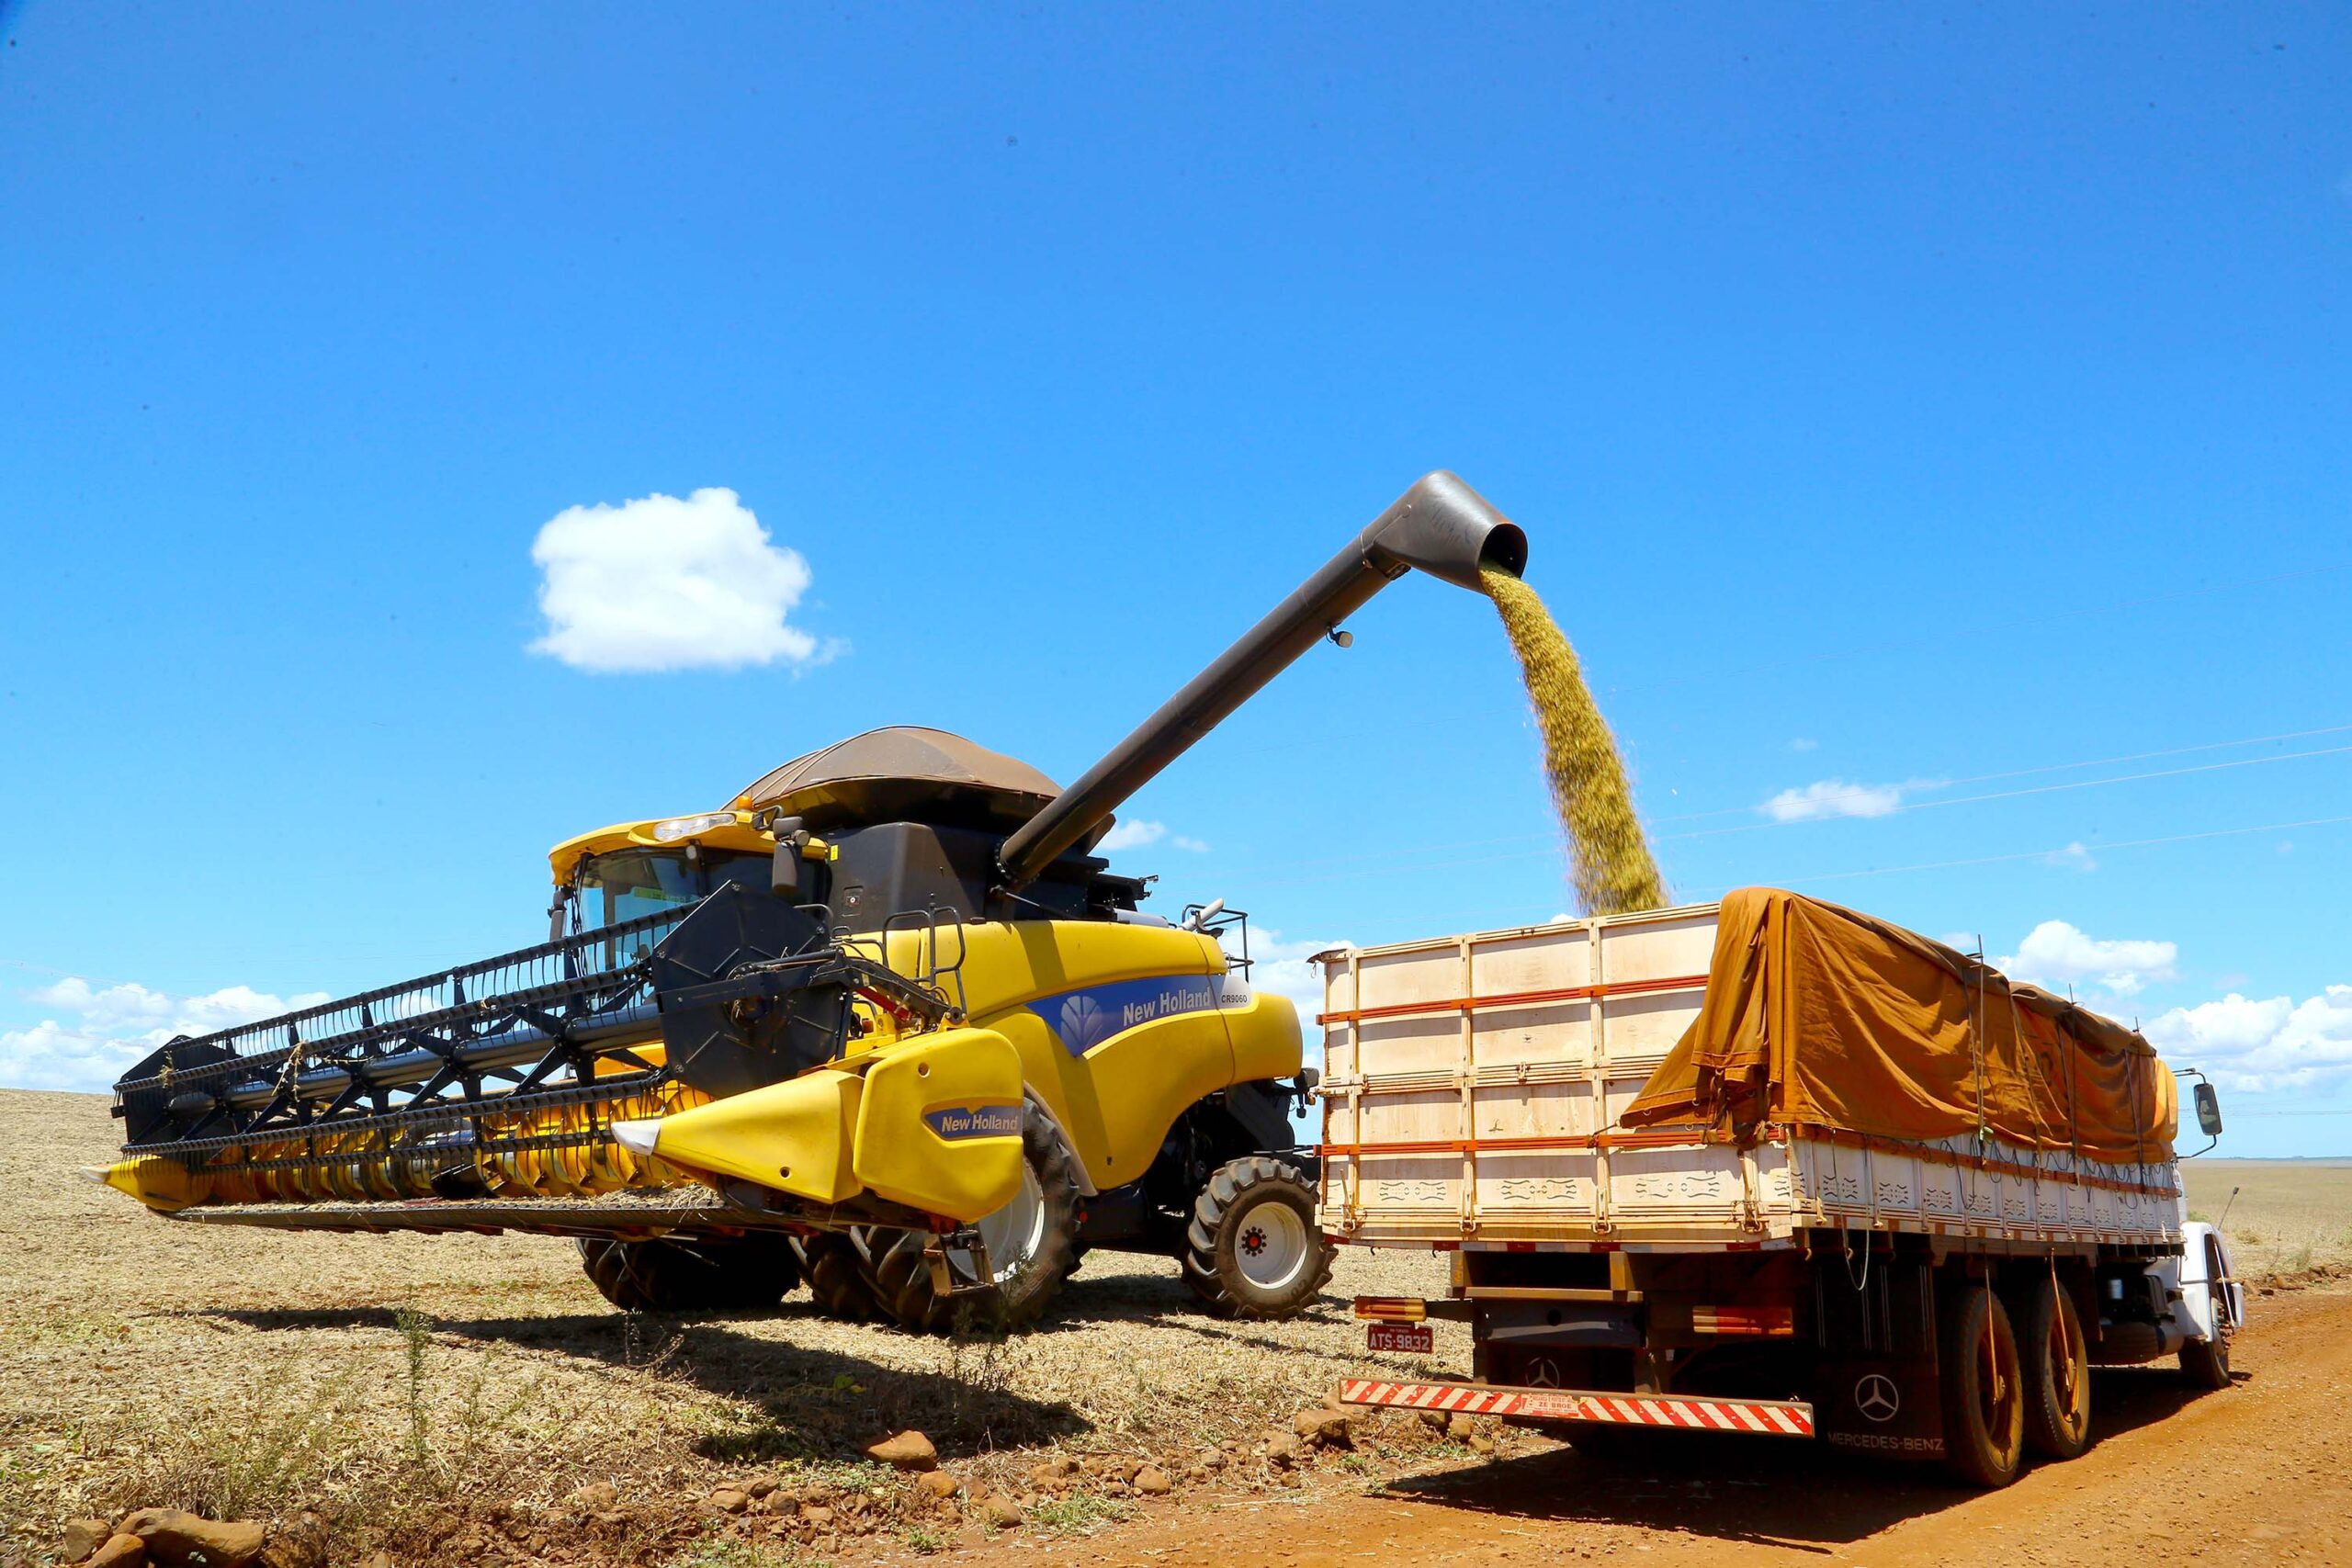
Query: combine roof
{"x": 904, "y": 774}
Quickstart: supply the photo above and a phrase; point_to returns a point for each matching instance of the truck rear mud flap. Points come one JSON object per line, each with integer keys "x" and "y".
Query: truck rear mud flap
{"x": 1752, "y": 1417}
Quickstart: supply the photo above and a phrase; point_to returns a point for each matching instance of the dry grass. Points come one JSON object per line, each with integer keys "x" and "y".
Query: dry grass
{"x": 2289, "y": 1218}
{"x": 409, "y": 1387}
{"x": 1609, "y": 861}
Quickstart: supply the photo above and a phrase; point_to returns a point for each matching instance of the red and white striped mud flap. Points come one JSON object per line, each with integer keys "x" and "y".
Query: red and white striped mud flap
{"x": 1761, "y": 1417}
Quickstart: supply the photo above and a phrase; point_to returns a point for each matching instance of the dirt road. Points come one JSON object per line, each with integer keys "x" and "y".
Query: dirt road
{"x": 2259, "y": 1473}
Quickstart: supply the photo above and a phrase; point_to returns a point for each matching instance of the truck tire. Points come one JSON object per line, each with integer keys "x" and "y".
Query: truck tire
{"x": 1983, "y": 1397}
{"x": 2057, "y": 1364}
{"x": 1032, "y": 1245}
{"x": 691, "y": 1274}
{"x": 1253, "y": 1250}
{"x": 2206, "y": 1362}
{"x": 829, "y": 1262}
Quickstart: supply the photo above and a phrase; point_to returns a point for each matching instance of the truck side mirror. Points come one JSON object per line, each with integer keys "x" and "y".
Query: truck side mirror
{"x": 2209, "y": 1110}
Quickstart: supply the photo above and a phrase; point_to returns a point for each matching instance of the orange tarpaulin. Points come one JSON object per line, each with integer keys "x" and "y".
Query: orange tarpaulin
{"x": 1819, "y": 1016}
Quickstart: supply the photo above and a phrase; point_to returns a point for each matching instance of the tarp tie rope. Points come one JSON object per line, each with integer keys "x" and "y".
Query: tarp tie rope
{"x": 1846, "y": 1234}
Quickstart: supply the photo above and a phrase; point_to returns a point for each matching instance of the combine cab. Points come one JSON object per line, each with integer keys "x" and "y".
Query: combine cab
{"x": 881, "y": 1023}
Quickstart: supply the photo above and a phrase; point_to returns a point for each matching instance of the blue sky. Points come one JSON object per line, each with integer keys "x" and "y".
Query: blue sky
{"x": 1929, "y": 426}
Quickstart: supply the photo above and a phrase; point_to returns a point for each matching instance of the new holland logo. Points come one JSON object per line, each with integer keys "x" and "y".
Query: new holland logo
{"x": 955, "y": 1122}
{"x": 1085, "y": 1023}
{"x": 1083, "y": 1019}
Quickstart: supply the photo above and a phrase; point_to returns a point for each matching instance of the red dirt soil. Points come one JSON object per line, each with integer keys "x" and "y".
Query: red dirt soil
{"x": 2256, "y": 1473}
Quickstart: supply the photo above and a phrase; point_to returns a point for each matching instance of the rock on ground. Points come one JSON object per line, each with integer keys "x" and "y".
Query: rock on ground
{"x": 177, "y": 1539}
{"x": 905, "y": 1451}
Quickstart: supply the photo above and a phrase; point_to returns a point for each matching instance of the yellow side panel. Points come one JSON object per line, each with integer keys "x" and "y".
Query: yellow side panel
{"x": 1066, "y": 1086}
{"x": 1266, "y": 1041}
{"x": 939, "y": 1128}
{"x": 1146, "y": 1077}
{"x": 794, "y": 1136}
{"x": 1008, "y": 966}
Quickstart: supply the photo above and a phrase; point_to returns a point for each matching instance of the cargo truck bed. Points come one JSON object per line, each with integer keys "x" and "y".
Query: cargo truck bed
{"x": 1473, "y": 1085}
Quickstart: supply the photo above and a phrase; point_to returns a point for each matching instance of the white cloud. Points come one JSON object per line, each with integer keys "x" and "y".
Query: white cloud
{"x": 2055, "y": 954}
{"x": 2074, "y": 857}
{"x": 2262, "y": 1046}
{"x": 116, "y": 1025}
{"x": 1802, "y": 744}
{"x": 1140, "y": 833}
{"x": 1131, "y": 835}
{"x": 1283, "y": 967}
{"x": 660, "y": 583}
{"x": 1836, "y": 797}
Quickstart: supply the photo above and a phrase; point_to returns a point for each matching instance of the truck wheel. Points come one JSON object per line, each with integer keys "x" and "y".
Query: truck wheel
{"x": 691, "y": 1274}
{"x": 1032, "y": 1245}
{"x": 1983, "y": 1397}
{"x": 2206, "y": 1362}
{"x": 829, "y": 1262}
{"x": 2057, "y": 1365}
{"x": 1252, "y": 1249}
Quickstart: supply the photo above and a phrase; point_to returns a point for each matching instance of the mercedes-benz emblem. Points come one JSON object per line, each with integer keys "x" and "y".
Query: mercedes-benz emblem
{"x": 1876, "y": 1397}
{"x": 1542, "y": 1373}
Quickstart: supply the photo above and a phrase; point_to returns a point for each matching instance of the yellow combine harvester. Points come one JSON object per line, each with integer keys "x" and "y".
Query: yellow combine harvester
{"x": 880, "y": 1023}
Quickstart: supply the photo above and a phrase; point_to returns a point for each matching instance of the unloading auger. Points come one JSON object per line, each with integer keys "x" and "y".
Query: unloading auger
{"x": 881, "y": 1023}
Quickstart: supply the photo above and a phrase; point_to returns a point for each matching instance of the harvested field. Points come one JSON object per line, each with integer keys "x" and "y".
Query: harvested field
{"x": 2290, "y": 1216}
{"x": 467, "y": 1399}
{"x": 413, "y": 1387}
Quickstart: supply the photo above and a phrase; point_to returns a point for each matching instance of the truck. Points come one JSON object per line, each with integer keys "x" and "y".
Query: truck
{"x": 881, "y": 1022}
{"x": 1770, "y": 1167}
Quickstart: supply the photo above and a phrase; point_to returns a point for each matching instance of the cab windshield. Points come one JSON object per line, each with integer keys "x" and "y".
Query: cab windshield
{"x": 626, "y": 884}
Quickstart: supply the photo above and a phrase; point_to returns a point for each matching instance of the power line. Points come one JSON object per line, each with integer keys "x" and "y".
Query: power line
{"x": 2047, "y": 768}
{"x": 2016, "y": 793}
{"x": 1398, "y": 859}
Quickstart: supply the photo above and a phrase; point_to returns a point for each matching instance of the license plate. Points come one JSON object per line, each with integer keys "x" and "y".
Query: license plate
{"x": 1407, "y": 1337}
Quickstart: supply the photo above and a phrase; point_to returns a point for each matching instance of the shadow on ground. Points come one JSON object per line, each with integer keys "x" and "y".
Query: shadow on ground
{"x": 814, "y": 1403}
{"x": 1806, "y": 1497}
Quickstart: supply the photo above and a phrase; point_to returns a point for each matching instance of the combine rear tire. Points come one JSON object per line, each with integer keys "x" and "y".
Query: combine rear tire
{"x": 1032, "y": 1245}
{"x": 691, "y": 1274}
{"x": 836, "y": 1276}
{"x": 1252, "y": 1249}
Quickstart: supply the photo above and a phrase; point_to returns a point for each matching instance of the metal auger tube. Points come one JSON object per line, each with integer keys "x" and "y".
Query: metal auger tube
{"x": 1440, "y": 525}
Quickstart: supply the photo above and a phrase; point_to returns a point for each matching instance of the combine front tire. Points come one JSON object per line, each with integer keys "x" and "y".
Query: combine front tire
{"x": 836, "y": 1277}
{"x": 1252, "y": 1249}
{"x": 691, "y": 1274}
{"x": 1032, "y": 1245}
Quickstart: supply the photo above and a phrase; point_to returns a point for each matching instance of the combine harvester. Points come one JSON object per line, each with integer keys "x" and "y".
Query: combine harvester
{"x": 880, "y": 1023}
{"x": 1769, "y": 1166}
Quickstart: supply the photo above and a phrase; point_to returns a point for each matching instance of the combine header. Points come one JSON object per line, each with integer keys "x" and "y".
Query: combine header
{"x": 881, "y": 1022}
